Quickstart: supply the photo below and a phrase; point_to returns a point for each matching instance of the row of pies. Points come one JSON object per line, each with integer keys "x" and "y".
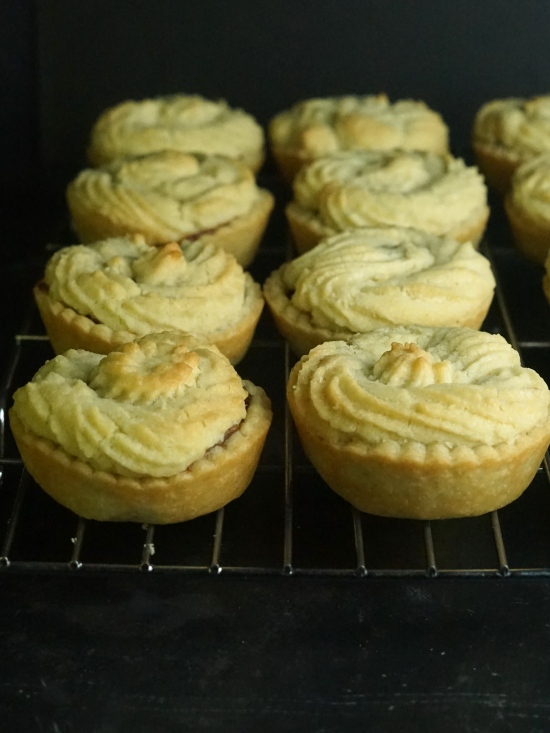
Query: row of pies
{"x": 183, "y": 167}
{"x": 404, "y": 407}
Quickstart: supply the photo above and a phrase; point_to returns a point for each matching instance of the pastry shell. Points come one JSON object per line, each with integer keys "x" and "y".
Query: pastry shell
{"x": 410, "y": 483}
{"x": 528, "y": 208}
{"x": 68, "y": 329}
{"x": 416, "y": 480}
{"x": 185, "y": 122}
{"x": 497, "y": 164}
{"x": 208, "y": 484}
{"x": 321, "y": 126}
{"x": 507, "y": 133}
{"x": 300, "y": 330}
{"x": 422, "y": 190}
{"x": 120, "y": 209}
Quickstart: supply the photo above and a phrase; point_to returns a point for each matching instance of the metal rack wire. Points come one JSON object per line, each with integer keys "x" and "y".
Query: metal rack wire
{"x": 288, "y": 522}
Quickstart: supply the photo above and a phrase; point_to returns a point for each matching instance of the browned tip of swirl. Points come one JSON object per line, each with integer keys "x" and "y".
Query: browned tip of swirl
{"x": 144, "y": 371}
{"x": 409, "y": 365}
{"x": 165, "y": 256}
{"x": 171, "y": 249}
{"x": 160, "y": 264}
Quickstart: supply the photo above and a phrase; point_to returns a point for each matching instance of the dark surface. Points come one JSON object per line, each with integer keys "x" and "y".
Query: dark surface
{"x": 122, "y": 651}
{"x": 152, "y": 652}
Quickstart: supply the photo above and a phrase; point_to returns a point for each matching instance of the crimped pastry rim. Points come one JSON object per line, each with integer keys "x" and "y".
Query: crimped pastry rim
{"x": 294, "y": 324}
{"x": 416, "y": 481}
{"x": 243, "y": 446}
{"x": 67, "y": 328}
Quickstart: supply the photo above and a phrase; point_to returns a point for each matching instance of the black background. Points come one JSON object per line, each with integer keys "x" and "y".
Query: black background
{"x": 235, "y": 654}
{"x": 64, "y": 62}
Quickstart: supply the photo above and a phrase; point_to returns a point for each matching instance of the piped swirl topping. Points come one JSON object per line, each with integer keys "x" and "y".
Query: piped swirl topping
{"x": 188, "y": 123}
{"x": 394, "y": 188}
{"x": 168, "y": 194}
{"x": 152, "y": 408}
{"x": 130, "y": 286}
{"x": 320, "y": 126}
{"x": 522, "y": 125}
{"x": 407, "y": 365}
{"x": 378, "y": 276}
{"x": 454, "y": 386}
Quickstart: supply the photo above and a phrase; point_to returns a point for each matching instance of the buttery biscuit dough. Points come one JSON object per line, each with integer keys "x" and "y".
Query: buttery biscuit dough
{"x": 373, "y": 277}
{"x": 421, "y": 422}
{"x": 101, "y": 295}
{"x": 161, "y": 430}
{"x": 507, "y": 133}
{"x": 185, "y": 122}
{"x": 346, "y": 190}
{"x": 316, "y": 127}
{"x": 527, "y": 205}
{"x": 170, "y": 196}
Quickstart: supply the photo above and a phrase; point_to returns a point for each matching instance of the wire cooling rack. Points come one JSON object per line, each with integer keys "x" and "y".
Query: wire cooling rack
{"x": 288, "y": 522}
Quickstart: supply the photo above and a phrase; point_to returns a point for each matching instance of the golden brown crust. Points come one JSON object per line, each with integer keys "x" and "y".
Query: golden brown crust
{"x": 348, "y": 190}
{"x": 105, "y": 294}
{"x": 372, "y": 289}
{"x": 242, "y": 236}
{"x": 531, "y": 238}
{"x": 171, "y": 196}
{"x": 413, "y": 489}
{"x": 210, "y": 483}
{"x": 420, "y": 434}
{"x": 497, "y": 164}
{"x": 67, "y": 329}
{"x": 315, "y": 127}
{"x": 184, "y": 122}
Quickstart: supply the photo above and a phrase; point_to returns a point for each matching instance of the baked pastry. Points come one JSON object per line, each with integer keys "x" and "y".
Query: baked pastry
{"x": 316, "y": 127}
{"x": 508, "y": 132}
{"x": 373, "y": 277}
{"x": 421, "y": 423}
{"x": 434, "y": 193}
{"x": 161, "y": 430}
{"x": 527, "y": 204}
{"x": 185, "y": 122}
{"x": 170, "y": 196}
{"x": 99, "y": 296}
